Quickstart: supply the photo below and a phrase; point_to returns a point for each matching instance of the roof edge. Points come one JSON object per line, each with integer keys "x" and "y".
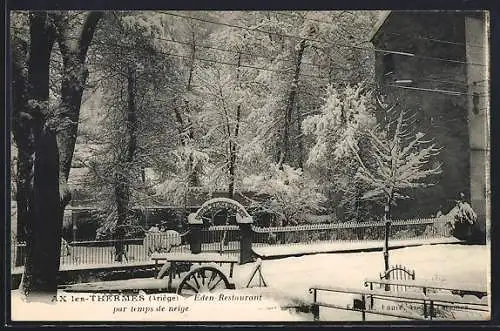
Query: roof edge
{"x": 383, "y": 17}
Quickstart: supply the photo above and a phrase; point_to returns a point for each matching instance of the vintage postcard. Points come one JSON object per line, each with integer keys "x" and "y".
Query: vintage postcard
{"x": 195, "y": 166}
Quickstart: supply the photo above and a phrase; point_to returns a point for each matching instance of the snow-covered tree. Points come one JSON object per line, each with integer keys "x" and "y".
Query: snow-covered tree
{"x": 341, "y": 120}
{"x": 132, "y": 76}
{"x": 44, "y": 135}
{"x": 400, "y": 160}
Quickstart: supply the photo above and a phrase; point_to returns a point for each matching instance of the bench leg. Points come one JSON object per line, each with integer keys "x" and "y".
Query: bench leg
{"x": 172, "y": 272}
{"x": 363, "y": 302}
{"x": 315, "y": 306}
{"x": 431, "y": 310}
{"x": 315, "y": 312}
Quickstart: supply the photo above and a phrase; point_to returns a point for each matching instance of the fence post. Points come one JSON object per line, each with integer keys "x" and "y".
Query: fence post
{"x": 195, "y": 225}
{"x": 245, "y": 224}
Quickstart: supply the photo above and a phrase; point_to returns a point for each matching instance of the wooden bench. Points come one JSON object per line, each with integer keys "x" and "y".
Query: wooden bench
{"x": 429, "y": 302}
{"x": 459, "y": 289}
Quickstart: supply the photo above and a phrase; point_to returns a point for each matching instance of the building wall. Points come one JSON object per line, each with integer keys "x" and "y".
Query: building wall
{"x": 476, "y": 37}
{"x": 441, "y": 116}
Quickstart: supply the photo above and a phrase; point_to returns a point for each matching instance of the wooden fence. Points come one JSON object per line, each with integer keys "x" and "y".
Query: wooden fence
{"x": 225, "y": 239}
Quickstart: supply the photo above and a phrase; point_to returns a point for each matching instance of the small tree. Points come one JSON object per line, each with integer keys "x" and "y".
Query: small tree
{"x": 399, "y": 160}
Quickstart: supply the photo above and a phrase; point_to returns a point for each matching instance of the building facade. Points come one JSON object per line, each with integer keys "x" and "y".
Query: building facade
{"x": 435, "y": 64}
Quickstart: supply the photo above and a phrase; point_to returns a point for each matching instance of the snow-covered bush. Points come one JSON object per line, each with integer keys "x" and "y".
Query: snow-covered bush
{"x": 458, "y": 222}
{"x": 463, "y": 220}
{"x": 464, "y": 214}
{"x": 292, "y": 193}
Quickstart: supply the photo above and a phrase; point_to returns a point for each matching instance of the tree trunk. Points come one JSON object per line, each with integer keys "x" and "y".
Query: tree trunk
{"x": 23, "y": 135}
{"x": 233, "y": 146}
{"x": 41, "y": 211}
{"x": 233, "y": 155}
{"x": 285, "y": 144}
{"x": 74, "y": 53}
{"x": 300, "y": 142}
{"x": 42, "y": 263}
{"x": 122, "y": 194}
{"x": 24, "y": 186}
{"x": 44, "y": 223}
{"x": 186, "y": 130}
{"x": 122, "y": 176}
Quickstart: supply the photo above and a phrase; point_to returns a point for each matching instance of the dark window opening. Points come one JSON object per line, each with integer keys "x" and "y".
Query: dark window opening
{"x": 388, "y": 64}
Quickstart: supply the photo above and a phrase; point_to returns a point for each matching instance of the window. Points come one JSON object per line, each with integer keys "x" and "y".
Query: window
{"x": 388, "y": 61}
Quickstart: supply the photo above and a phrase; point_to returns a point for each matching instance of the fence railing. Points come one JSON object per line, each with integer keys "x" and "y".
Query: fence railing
{"x": 225, "y": 239}
{"x": 417, "y": 229}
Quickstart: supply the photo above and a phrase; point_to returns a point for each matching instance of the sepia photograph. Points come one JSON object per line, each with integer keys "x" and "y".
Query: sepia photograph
{"x": 249, "y": 166}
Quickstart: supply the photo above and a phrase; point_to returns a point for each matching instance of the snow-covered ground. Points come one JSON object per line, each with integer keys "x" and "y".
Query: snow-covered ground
{"x": 289, "y": 280}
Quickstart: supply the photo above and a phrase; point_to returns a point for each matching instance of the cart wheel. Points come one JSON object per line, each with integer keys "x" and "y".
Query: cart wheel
{"x": 202, "y": 280}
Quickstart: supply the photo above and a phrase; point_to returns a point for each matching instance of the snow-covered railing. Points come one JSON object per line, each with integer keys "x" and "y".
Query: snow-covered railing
{"x": 222, "y": 228}
{"x": 309, "y": 227}
{"x": 441, "y": 219}
{"x": 346, "y": 225}
{"x": 352, "y": 231}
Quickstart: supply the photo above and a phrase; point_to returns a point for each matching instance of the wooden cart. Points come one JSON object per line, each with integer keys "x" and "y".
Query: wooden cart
{"x": 206, "y": 273}
{"x": 203, "y": 276}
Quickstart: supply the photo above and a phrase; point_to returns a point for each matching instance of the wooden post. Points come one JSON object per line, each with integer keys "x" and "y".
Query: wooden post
{"x": 363, "y": 304}
{"x": 386, "y": 245}
{"x": 386, "y": 238}
{"x": 195, "y": 225}
{"x": 245, "y": 224}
